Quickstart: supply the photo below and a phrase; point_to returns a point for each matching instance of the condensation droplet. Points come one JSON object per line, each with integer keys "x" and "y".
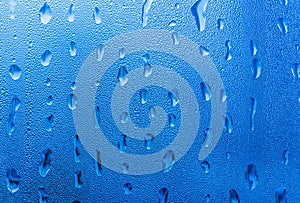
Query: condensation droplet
{"x": 15, "y": 72}
{"x": 205, "y": 166}
{"x": 256, "y": 68}
{"x": 97, "y": 16}
{"x": 281, "y": 24}
{"x": 49, "y": 100}
{"x": 175, "y": 38}
{"x": 145, "y": 12}
{"x": 149, "y": 141}
{"x": 198, "y": 11}
{"x": 122, "y": 53}
{"x": 13, "y": 180}
{"x": 204, "y": 51}
{"x": 228, "y": 55}
{"x": 127, "y": 187}
{"x": 168, "y": 160}
{"x": 77, "y": 177}
{"x": 45, "y": 13}
{"x": 221, "y": 24}
{"x": 72, "y": 101}
{"x": 251, "y": 176}
{"x": 71, "y": 15}
{"x": 45, "y": 164}
{"x": 253, "y": 47}
{"x": 46, "y": 58}
{"x": 124, "y": 117}
{"x": 100, "y": 52}
{"x": 73, "y": 48}
{"x": 122, "y": 75}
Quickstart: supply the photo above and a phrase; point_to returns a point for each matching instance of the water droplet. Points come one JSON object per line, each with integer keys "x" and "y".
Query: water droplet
{"x": 223, "y": 95}
{"x": 206, "y": 91}
{"x": 251, "y": 176}
{"x": 46, "y": 58}
{"x": 163, "y": 195}
{"x": 71, "y": 16}
{"x": 147, "y": 70}
{"x": 221, "y": 24}
{"x": 153, "y": 112}
{"x": 207, "y": 198}
{"x": 15, "y": 72}
{"x": 78, "y": 182}
{"x": 15, "y": 37}
{"x": 281, "y": 24}
{"x": 281, "y": 195}
{"x": 253, "y": 111}
{"x": 204, "y": 51}
{"x": 173, "y": 96}
{"x": 12, "y": 180}
{"x": 172, "y": 23}
{"x": 177, "y": 5}
{"x": 49, "y": 123}
{"x": 284, "y": 2}
{"x": 146, "y": 58}
{"x": 256, "y": 68}
{"x": 145, "y": 11}
{"x": 73, "y": 85}
{"x": 233, "y": 196}
{"x": 175, "y": 38}
{"x": 49, "y": 100}
{"x": 168, "y": 160}
{"x": 149, "y": 141}
{"x": 127, "y": 187}
{"x": 100, "y": 52}
{"x": 45, "y": 13}
{"x": 97, "y": 15}
{"x": 15, "y": 104}
{"x": 72, "y": 48}
{"x": 43, "y": 196}
{"x": 122, "y": 75}
{"x": 76, "y": 150}
{"x": 285, "y": 157}
{"x": 296, "y": 70}
{"x": 205, "y": 166}
{"x": 228, "y": 123}
{"x": 48, "y": 82}
{"x": 125, "y": 168}
{"x": 143, "y": 96}
{"x": 122, "y": 53}
{"x": 122, "y": 146}
{"x": 253, "y": 47}
{"x": 228, "y": 55}
{"x": 172, "y": 120}
{"x": 45, "y": 164}
{"x": 98, "y": 166}
{"x": 227, "y": 155}
{"x": 124, "y": 117}
{"x": 198, "y": 11}
{"x": 72, "y": 101}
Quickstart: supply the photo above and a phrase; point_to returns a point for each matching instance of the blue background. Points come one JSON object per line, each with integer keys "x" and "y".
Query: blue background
{"x": 276, "y": 90}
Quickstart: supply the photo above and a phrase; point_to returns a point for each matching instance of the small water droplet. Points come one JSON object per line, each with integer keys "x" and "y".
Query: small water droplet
{"x": 281, "y": 24}
{"x": 15, "y": 37}
{"x": 145, "y": 11}
{"x": 122, "y": 53}
{"x": 76, "y": 150}
{"x": 228, "y": 123}
{"x": 153, "y": 112}
{"x": 207, "y": 198}
{"x": 45, "y": 164}
{"x": 206, "y": 91}
{"x": 100, "y": 52}
{"x": 221, "y": 24}
{"x": 78, "y": 182}
{"x": 233, "y": 196}
{"x": 172, "y": 23}
{"x": 71, "y": 16}
{"x": 48, "y": 82}
{"x": 168, "y": 160}
{"x": 284, "y": 2}
{"x": 73, "y": 85}
{"x": 227, "y": 155}
{"x": 45, "y": 13}
{"x": 125, "y": 168}
{"x": 46, "y": 58}
{"x": 163, "y": 195}
{"x": 253, "y": 111}
{"x": 96, "y": 15}
{"x": 175, "y": 38}
{"x": 253, "y": 47}
{"x": 98, "y": 166}
{"x": 172, "y": 120}
{"x": 205, "y": 166}
{"x": 12, "y": 180}
{"x": 204, "y": 51}
{"x": 49, "y": 100}
{"x": 251, "y": 176}
{"x": 173, "y": 96}
{"x": 122, "y": 75}
{"x": 72, "y": 101}
{"x": 296, "y": 70}
{"x": 122, "y": 146}
{"x": 228, "y": 55}
{"x": 146, "y": 58}
{"x": 281, "y": 195}
{"x": 149, "y": 141}
{"x": 177, "y": 5}
{"x": 256, "y": 68}
{"x": 285, "y": 157}
{"x": 198, "y": 11}
{"x": 49, "y": 123}
{"x": 43, "y": 196}
{"x": 73, "y": 48}
{"x": 124, "y": 117}
{"x": 143, "y": 96}
{"x": 15, "y": 72}
{"x": 223, "y": 95}
{"x": 127, "y": 187}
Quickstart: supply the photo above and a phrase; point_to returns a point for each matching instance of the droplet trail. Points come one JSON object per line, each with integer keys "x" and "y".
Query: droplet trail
{"x": 253, "y": 111}
{"x": 198, "y": 11}
{"x": 145, "y": 12}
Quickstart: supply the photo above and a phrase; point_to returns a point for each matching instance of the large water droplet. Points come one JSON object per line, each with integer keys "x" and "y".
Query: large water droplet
{"x": 45, "y": 13}
{"x": 127, "y": 187}
{"x": 281, "y": 24}
{"x": 253, "y": 111}
{"x": 281, "y": 195}
{"x": 205, "y": 166}
{"x": 78, "y": 182}
{"x": 228, "y": 55}
{"x": 251, "y": 176}
{"x": 100, "y": 52}
{"x": 73, "y": 48}
{"x": 122, "y": 146}
{"x": 206, "y": 91}
{"x": 43, "y": 196}
{"x": 253, "y": 47}
{"x": 97, "y": 16}
{"x": 256, "y": 68}
{"x": 163, "y": 195}
{"x": 72, "y": 101}
{"x": 149, "y": 141}
{"x": 285, "y": 157}
{"x": 71, "y": 16}
{"x": 233, "y": 196}
{"x": 49, "y": 122}
{"x": 168, "y": 160}
{"x": 46, "y": 58}
{"x": 15, "y": 72}
{"x": 204, "y": 51}
{"x": 12, "y": 180}
{"x": 122, "y": 75}
{"x": 221, "y": 24}
{"x": 145, "y": 12}
{"x": 45, "y": 164}
{"x": 198, "y": 11}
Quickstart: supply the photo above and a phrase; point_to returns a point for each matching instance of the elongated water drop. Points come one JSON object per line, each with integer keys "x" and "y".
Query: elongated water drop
{"x": 98, "y": 166}
{"x": 43, "y": 196}
{"x": 76, "y": 150}
{"x": 281, "y": 195}
{"x": 198, "y": 11}
{"x": 45, "y": 13}
{"x": 124, "y": 117}
{"x": 251, "y": 176}
{"x": 253, "y": 111}
{"x": 221, "y": 24}
{"x": 48, "y": 82}
{"x": 71, "y": 15}
{"x": 122, "y": 53}
{"x": 122, "y": 145}
{"x": 100, "y": 52}
{"x": 256, "y": 68}
{"x": 204, "y": 51}
{"x": 97, "y": 16}
{"x": 175, "y": 38}
{"x": 73, "y": 48}
{"x": 233, "y": 196}
{"x": 163, "y": 195}
{"x": 296, "y": 71}
{"x": 72, "y": 101}
{"x": 281, "y": 24}
{"x": 143, "y": 96}
{"x": 122, "y": 75}
{"x": 172, "y": 120}
{"x": 45, "y": 163}
{"x": 15, "y": 72}
{"x": 285, "y": 157}
{"x": 253, "y": 48}
{"x": 49, "y": 100}
{"x": 127, "y": 187}
{"x": 15, "y": 104}
{"x": 205, "y": 166}
{"x": 13, "y": 180}
{"x": 46, "y": 58}
{"x": 147, "y": 70}
{"x": 149, "y": 141}
{"x": 228, "y": 55}
{"x": 206, "y": 91}
{"x": 173, "y": 96}
{"x": 145, "y": 11}
{"x": 168, "y": 160}
{"x": 77, "y": 177}
{"x": 49, "y": 122}
{"x": 223, "y": 95}
{"x": 228, "y": 123}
